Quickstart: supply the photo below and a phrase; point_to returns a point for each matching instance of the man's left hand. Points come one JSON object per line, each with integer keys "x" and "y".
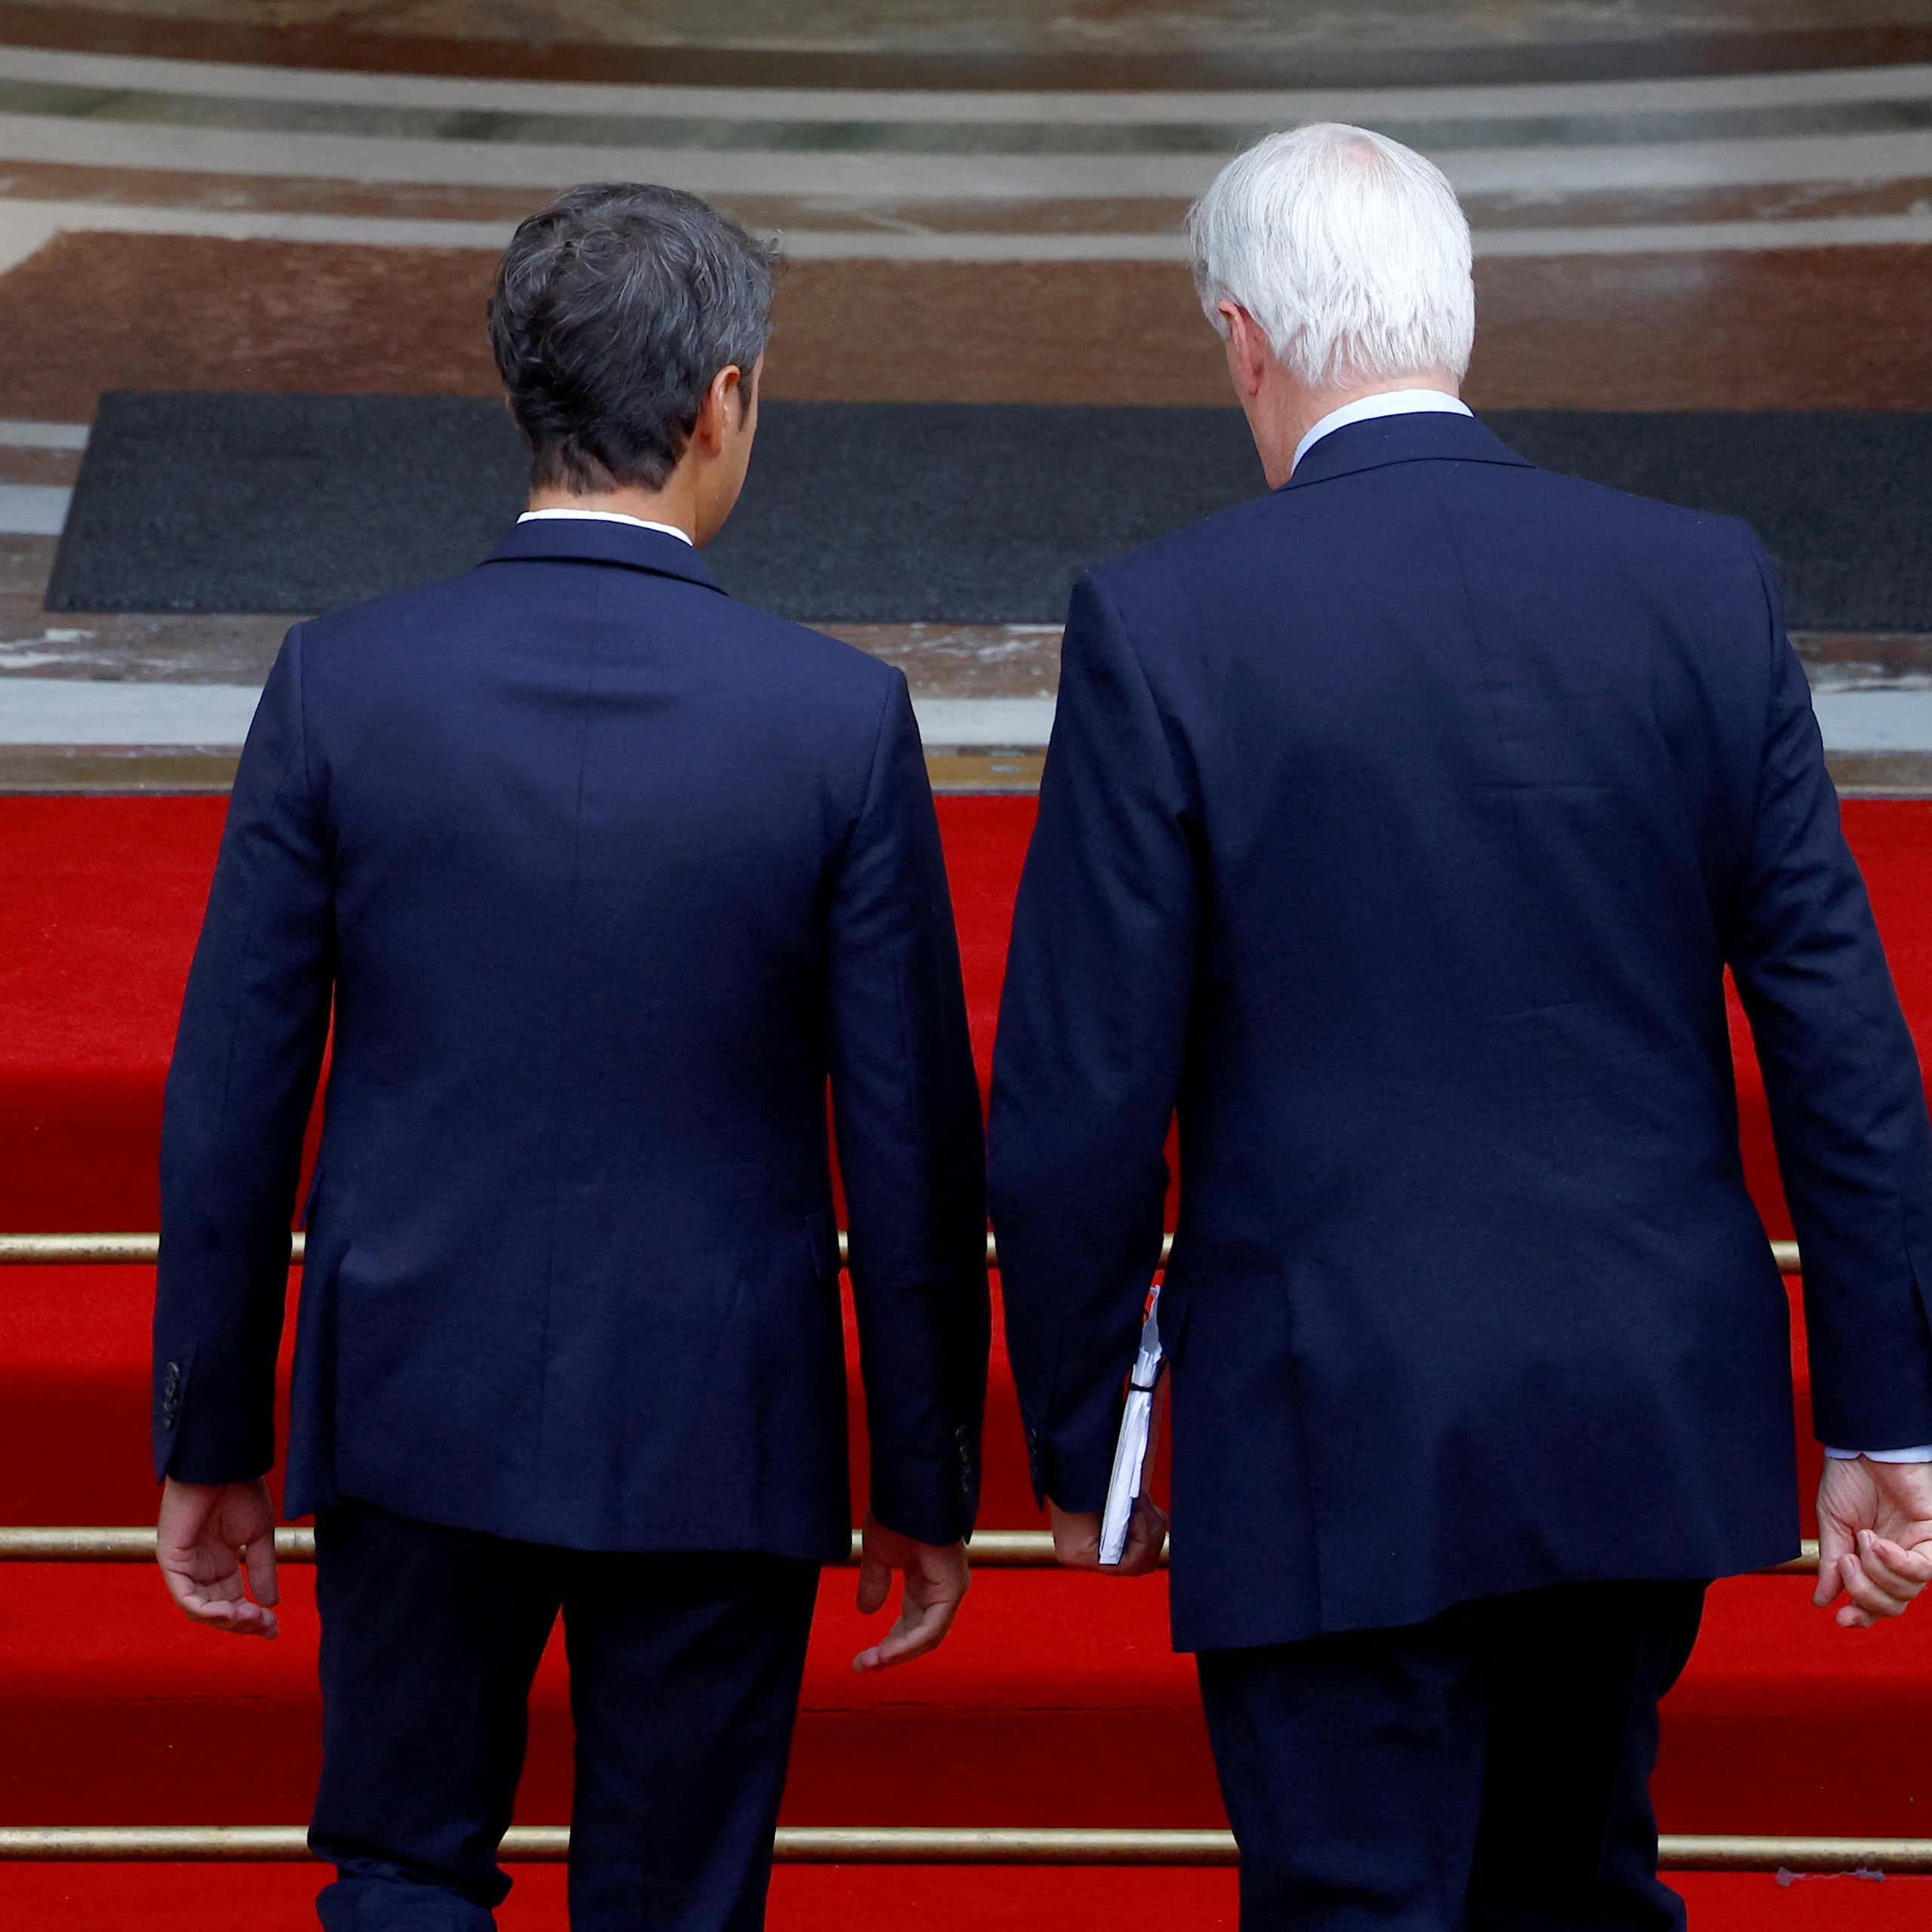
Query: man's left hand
{"x": 210, "y": 1536}
{"x": 1077, "y": 1540}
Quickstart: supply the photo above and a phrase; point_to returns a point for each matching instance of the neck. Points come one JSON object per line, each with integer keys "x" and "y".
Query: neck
{"x": 1296, "y": 410}
{"x": 676, "y": 504}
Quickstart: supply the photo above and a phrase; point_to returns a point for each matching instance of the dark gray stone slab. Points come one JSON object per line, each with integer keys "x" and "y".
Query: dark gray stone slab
{"x": 898, "y": 512}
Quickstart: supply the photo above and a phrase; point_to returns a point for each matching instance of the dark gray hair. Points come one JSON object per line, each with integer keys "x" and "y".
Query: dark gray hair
{"x": 613, "y": 308}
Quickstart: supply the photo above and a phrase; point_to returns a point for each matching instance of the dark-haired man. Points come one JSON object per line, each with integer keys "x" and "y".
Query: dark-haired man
{"x": 602, "y": 875}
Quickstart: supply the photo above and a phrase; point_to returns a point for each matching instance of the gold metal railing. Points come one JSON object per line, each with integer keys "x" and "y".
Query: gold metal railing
{"x": 23, "y": 1251}
{"x": 993, "y": 1549}
{"x": 138, "y": 1250}
{"x": 814, "y": 1845}
{"x": 925, "y": 1845}
{"x": 1018, "y": 1549}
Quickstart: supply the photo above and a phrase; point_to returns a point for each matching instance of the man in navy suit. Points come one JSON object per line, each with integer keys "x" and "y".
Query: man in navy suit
{"x": 1397, "y": 831}
{"x": 602, "y": 877}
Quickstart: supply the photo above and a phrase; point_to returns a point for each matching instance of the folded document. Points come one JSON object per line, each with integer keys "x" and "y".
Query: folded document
{"x": 1135, "y": 1447}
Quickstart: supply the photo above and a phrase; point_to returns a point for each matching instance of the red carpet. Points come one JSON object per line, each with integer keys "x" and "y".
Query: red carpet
{"x": 73, "y": 1367}
{"x": 934, "y": 1898}
{"x": 1058, "y": 1702}
{"x": 101, "y": 898}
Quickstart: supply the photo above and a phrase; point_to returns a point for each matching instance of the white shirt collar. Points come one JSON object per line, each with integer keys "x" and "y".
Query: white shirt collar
{"x": 608, "y": 516}
{"x": 1366, "y": 408}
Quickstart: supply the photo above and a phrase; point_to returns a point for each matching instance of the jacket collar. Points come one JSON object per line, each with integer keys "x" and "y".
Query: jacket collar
{"x": 587, "y": 540}
{"x": 1413, "y": 437}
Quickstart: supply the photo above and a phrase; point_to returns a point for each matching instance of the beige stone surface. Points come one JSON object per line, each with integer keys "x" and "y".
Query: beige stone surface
{"x": 1798, "y": 329}
{"x": 1134, "y": 44}
{"x": 1034, "y": 25}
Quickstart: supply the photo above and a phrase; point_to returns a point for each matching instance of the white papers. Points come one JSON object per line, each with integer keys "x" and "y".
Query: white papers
{"x": 1136, "y": 1430}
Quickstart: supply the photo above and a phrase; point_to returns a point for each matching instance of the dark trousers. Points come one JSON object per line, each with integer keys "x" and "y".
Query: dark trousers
{"x": 1488, "y": 1771}
{"x": 685, "y": 1680}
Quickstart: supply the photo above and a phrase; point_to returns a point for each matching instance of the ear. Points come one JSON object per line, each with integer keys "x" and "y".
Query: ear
{"x": 721, "y": 411}
{"x": 1248, "y": 353}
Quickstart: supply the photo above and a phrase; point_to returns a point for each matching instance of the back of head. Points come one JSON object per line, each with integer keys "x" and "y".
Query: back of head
{"x": 1350, "y": 251}
{"x": 613, "y": 309}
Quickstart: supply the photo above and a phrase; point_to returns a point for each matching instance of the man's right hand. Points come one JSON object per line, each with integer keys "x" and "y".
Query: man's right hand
{"x": 1875, "y": 1538}
{"x": 937, "y": 1578}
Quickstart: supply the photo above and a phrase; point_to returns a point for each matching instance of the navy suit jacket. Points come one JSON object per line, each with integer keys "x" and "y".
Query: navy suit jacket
{"x": 605, "y": 876}
{"x": 1397, "y": 831}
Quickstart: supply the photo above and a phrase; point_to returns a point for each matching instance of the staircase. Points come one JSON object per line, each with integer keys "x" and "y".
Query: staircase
{"x": 1056, "y": 1704}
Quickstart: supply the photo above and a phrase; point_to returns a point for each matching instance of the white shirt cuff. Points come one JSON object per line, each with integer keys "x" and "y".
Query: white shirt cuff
{"x": 1923, "y": 1454}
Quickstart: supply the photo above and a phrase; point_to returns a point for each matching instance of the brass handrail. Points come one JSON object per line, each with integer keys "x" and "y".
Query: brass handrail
{"x": 63, "y": 1543}
{"x": 995, "y": 1549}
{"x": 21, "y": 1250}
{"x": 95, "y": 1544}
{"x": 91, "y": 1544}
{"x": 924, "y": 1845}
{"x": 27, "y": 1251}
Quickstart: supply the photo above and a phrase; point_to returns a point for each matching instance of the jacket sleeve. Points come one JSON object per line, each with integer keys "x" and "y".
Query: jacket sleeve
{"x": 1093, "y": 1025}
{"x": 240, "y": 1087}
{"x": 905, "y": 1108}
{"x": 1841, "y": 1075}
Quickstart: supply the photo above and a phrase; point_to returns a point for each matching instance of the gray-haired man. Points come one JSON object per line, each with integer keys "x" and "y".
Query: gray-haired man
{"x": 1399, "y": 828}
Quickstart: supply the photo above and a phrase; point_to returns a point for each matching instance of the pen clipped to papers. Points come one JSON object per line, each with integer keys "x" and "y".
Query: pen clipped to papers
{"x": 1133, "y": 1453}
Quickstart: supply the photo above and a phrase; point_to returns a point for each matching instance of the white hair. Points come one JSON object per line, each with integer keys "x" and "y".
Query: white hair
{"x": 1349, "y": 250}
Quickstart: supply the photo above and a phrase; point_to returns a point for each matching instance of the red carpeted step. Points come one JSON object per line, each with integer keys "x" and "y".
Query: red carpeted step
{"x": 74, "y": 1393}
{"x": 182, "y": 1898}
{"x": 75, "y": 1355}
{"x": 103, "y": 897}
{"x": 1058, "y": 1702}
